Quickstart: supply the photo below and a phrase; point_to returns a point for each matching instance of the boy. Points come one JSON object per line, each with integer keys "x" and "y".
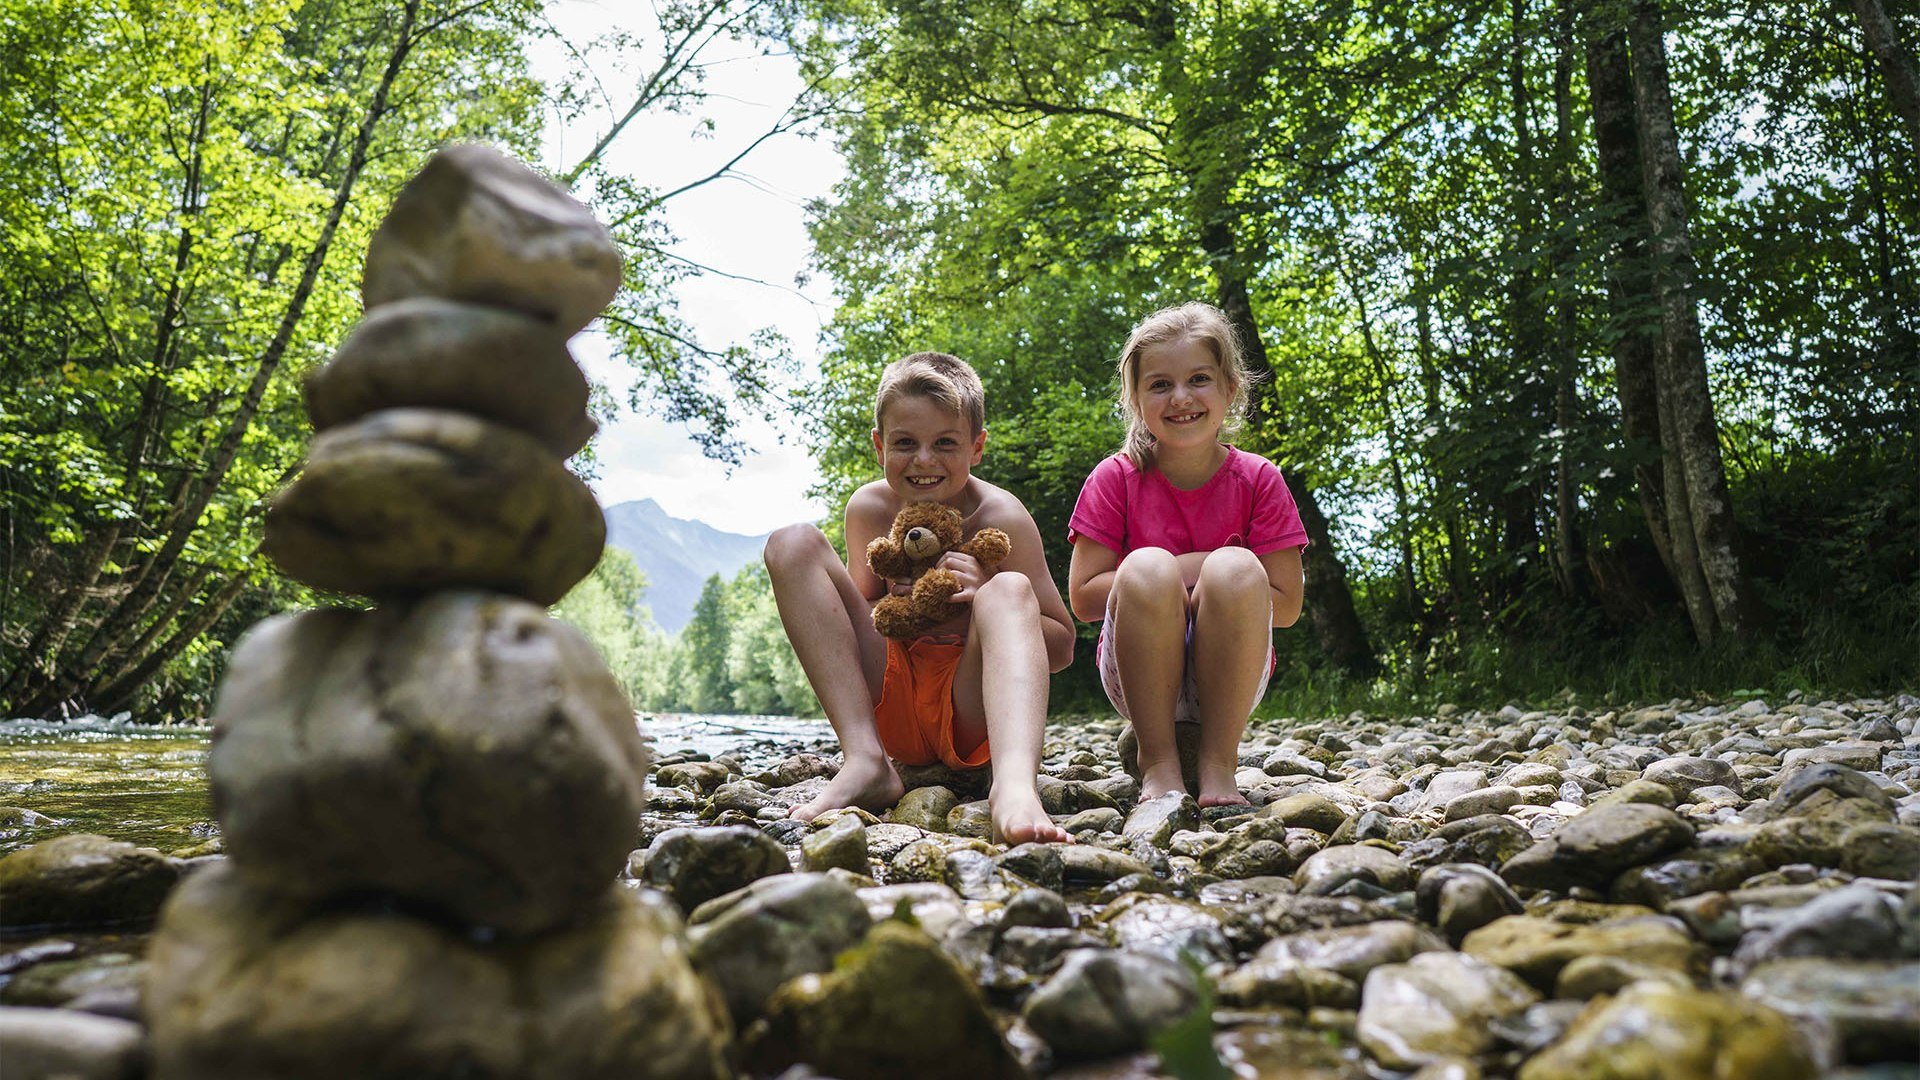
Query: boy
{"x": 930, "y": 699}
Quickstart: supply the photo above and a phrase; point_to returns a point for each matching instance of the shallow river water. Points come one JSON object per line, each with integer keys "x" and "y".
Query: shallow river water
{"x": 148, "y": 784}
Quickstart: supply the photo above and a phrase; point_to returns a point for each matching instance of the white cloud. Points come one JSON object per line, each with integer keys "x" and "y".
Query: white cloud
{"x": 753, "y": 227}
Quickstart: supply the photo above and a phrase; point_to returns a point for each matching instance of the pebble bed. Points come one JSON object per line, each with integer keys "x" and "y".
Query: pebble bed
{"x": 1696, "y": 889}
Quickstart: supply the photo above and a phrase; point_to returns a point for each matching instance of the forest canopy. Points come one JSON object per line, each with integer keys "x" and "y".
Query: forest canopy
{"x": 1589, "y": 331}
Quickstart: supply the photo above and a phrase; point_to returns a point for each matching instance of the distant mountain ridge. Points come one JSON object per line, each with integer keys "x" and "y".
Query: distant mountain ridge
{"x": 677, "y": 556}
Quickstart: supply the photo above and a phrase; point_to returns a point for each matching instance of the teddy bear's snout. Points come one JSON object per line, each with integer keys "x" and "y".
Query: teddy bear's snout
{"x": 921, "y": 543}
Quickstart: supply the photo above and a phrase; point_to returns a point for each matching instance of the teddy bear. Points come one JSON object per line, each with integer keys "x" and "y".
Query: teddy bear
{"x": 921, "y": 533}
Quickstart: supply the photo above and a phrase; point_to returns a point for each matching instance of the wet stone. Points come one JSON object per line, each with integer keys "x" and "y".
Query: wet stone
{"x": 1652, "y": 1029}
{"x": 1437, "y": 1005}
{"x": 696, "y": 865}
{"x": 842, "y": 844}
{"x": 1103, "y": 1002}
{"x": 751, "y": 941}
{"x": 1872, "y": 1007}
{"x": 925, "y": 808}
{"x": 83, "y": 880}
{"x": 1328, "y": 870}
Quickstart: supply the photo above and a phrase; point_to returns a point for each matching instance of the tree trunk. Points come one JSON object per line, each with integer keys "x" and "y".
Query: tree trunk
{"x": 119, "y": 692}
{"x": 1635, "y": 333}
{"x": 1520, "y": 533}
{"x": 1896, "y": 66}
{"x": 1336, "y": 622}
{"x": 1708, "y": 507}
{"x": 1569, "y": 545}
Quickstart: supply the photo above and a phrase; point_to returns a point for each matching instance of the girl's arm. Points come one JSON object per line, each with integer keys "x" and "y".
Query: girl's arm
{"x": 1286, "y": 582}
{"x": 1090, "y": 578}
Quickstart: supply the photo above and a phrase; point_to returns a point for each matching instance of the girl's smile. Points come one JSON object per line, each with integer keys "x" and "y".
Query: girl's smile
{"x": 1183, "y": 396}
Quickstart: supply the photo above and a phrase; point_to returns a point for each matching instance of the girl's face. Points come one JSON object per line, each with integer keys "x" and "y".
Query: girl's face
{"x": 1183, "y": 394}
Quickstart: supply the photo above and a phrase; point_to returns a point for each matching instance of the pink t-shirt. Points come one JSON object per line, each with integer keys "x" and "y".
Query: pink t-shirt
{"x": 1244, "y": 504}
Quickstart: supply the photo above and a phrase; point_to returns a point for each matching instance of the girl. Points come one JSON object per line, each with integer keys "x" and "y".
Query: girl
{"x": 1188, "y": 549}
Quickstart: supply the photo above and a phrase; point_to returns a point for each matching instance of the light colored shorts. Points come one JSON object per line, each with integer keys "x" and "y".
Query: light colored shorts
{"x": 1186, "y": 708}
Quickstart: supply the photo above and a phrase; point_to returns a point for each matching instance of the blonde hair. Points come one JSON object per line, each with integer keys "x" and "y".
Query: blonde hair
{"x": 942, "y": 378}
{"x": 1193, "y": 321}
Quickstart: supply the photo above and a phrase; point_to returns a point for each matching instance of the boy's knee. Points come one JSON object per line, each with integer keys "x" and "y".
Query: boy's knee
{"x": 793, "y": 543}
{"x": 1008, "y": 590}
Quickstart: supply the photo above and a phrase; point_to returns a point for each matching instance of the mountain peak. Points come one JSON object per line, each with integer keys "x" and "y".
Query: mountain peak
{"x": 677, "y": 555}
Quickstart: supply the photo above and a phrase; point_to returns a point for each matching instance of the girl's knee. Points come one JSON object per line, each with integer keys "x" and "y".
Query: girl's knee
{"x": 792, "y": 544}
{"x": 1234, "y": 570}
{"x": 1149, "y": 574}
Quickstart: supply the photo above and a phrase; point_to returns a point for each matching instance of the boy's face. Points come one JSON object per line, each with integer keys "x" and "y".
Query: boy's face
{"x": 927, "y": 453}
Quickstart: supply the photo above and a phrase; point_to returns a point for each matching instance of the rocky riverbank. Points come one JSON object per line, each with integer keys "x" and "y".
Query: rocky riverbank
{"x": 1710, "y": 890}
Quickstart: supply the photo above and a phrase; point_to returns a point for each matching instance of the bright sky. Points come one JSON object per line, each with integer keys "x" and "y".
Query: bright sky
{"x": 751, "y": 225}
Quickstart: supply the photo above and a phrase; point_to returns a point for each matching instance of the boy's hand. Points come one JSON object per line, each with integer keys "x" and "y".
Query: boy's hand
{"x": 968, "y": 569}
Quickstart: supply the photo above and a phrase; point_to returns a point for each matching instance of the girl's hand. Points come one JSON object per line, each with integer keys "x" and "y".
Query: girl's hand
{"x": 968, "y": 569}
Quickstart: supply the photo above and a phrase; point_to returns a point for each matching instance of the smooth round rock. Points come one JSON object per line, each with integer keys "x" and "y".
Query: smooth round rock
{"x": 245, "y": 985}
{"x": 68, "y": 1045}
{"x": 1655, "y": 1030}
{"x": 465, "y": 751}
{"x": 1105, "y": 1002}
{"x": 83, "y": 880}
{"x": 479, "y": 226}
{"x": 751, "y": 941}
{"x": 893, "y": 1006}
{"x": 1435, "y": 1006}
{"x": 436, "y": 354}
{"x": 696, "y": 865}
{"x": 408, "y": 501}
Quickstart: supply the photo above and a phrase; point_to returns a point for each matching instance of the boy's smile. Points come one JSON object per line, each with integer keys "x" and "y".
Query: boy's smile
{"x": 926, "y": 452}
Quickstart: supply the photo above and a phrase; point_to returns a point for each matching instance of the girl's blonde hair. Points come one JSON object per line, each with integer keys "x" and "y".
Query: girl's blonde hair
{"x": 1192, "y": 321}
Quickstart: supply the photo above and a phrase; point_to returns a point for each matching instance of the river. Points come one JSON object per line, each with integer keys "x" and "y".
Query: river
{"x": 148, "y": 784}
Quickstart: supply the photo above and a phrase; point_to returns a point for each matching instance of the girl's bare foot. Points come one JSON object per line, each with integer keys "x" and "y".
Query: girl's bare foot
{"x": 1160, "y": 777}
{"x": 870, "y": 784}
{"x": 1018, "y": 818}
{"x": 1217, "y": 787}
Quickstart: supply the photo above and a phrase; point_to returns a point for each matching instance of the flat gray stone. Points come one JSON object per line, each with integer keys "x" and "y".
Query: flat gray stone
{"x": 436, "y": 354}
{"x": 409, "y": 501}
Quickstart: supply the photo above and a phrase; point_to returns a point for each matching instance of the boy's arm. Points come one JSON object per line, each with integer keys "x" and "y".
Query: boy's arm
{"x": 1030, "y": 558}
{"x": 866, "y": 518}
{"x": 1090, "y": 578}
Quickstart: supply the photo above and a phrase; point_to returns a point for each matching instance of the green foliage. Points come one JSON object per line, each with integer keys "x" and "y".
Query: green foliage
{"x": 732, "y": 657}
{"x": 1411, "y": 198}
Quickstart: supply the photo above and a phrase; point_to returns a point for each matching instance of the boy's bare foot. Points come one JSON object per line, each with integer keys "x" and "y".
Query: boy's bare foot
{"x": 1160, "y": 778}
{"x": 871, "y": 785}
{"x": 1217, "y": 787}
{"x": 1018, "y": 818}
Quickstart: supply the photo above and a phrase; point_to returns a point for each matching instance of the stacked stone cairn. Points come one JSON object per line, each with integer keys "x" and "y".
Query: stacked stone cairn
{"x": 426, "y": 803}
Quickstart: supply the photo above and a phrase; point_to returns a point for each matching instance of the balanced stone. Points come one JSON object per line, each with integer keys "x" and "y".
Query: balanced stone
{"x": 427, "y": 353}
{"x": 246, "y": 984}
{"x": 478, "y": 226}
{"x": 358, "y": 750}
{"x": 406, "y": 501}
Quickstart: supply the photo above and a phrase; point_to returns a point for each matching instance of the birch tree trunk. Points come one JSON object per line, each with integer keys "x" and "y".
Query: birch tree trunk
{"x": 1896, "y": 66}
{"x": 1707, "y": 509}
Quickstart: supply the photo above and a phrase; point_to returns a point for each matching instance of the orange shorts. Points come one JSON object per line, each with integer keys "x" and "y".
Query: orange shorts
{"x": 915, "y": 713}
